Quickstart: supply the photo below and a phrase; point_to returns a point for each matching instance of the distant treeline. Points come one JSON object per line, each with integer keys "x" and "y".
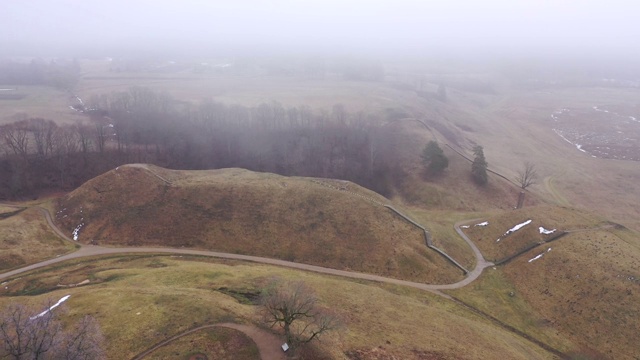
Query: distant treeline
{"x": 356, "y": 69}
{"x": 62, "y": 74}
{"x": 144, "y": 126}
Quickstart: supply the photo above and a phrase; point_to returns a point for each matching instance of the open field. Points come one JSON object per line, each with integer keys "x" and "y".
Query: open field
{"x": 253, "y": 89}
{"x": 39, "y": 101}
{"x": 176, "y": 293}
{"x": 522, "y": 123}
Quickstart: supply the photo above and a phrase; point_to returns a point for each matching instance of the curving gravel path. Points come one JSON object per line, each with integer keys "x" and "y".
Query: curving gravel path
{"x": 94, "y": 250}
{"x": 267, "y": 343}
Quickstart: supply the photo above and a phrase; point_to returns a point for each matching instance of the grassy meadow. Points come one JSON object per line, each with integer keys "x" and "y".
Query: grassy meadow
{"x": 26, "y": 238}
{"x": 175, "y": 293}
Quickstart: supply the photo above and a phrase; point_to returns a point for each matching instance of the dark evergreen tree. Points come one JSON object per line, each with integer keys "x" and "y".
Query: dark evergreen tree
{"x": 479, "y": 166}
{"x": 434, "y": 159}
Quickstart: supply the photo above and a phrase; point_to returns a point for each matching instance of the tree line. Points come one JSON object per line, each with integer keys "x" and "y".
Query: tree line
{"x": 140, "y": 125}
{"x": 62, "y": 74}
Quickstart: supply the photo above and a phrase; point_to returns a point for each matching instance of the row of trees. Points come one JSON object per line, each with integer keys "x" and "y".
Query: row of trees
{"x": 144, "y": 126}
{"x": 62, "y": 74}
{"x": 435, "y": 162}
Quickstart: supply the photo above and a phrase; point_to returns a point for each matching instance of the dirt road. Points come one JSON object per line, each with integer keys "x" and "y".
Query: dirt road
{"x": 93, "y": 250}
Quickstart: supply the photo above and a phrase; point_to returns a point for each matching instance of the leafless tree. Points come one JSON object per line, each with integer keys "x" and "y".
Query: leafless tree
{"x": 15, "y": 137}
{"x": 83, "y": 342}
{"x": 24, "y": 335}
{"x": 527, "y": 176}
{"x": 294, "y": 307}
{"x": 43, "y": 135}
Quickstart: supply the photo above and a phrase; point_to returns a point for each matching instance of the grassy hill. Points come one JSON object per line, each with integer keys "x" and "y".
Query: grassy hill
{"x": 582, "y": 288}
{"x": 239, "y": 211}
{"x": 26, "y": 238}
{"x": 175, "y": 293}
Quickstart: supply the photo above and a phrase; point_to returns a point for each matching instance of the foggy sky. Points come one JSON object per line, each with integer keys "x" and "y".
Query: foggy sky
{"x": 501, "y": 26}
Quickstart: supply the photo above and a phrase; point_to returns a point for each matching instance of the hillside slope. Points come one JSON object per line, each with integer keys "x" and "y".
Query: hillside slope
{"x": 239, "y": 211}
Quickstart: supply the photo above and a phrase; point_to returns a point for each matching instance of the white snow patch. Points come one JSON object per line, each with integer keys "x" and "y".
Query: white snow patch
{"x": 482, "y": 224}
{"x": 517, "y": 227}
{"x": 64, "y": 298}
{"x": 535, "y": 258}
{"x": 76, "y": 231}
{"x": 7, "y": 89}
{"x": 545, "y": 231}
{"x": 465, "y": 226}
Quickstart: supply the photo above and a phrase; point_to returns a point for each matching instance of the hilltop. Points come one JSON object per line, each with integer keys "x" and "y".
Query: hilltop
{"x": 322, "y": 222}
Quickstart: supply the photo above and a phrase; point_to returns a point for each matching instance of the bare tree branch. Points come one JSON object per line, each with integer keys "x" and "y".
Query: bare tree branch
{"x": 295, "y": 308}
{"x": 527, "y": 176}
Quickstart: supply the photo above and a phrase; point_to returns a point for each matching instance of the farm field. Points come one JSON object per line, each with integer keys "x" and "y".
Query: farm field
{"x": 37, "y": 101}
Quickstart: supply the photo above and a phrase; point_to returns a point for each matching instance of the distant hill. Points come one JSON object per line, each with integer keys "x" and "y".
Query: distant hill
{"x": 315, "y": 221}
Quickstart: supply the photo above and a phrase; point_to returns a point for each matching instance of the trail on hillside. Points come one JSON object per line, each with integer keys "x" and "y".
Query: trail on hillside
{"x": 550, "y": 187}
{"x": 267, "y": 343}
{"x": 94, "y": 250}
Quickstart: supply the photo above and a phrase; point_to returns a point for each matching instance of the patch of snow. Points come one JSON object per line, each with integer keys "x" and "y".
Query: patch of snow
{"x": 545, "y": 231}
{"x": 549, "y": 249}
{"x": 482, "y": 224}
{"x": 76, "y": 231}
{"x": 7, "y": 89}
{"x": 80, "y": 100}
{"x": 536, "y": 258}
{"x": 465, "y": 226}
{"x": 517, "y": 227}
{"x": 64, "y": 298}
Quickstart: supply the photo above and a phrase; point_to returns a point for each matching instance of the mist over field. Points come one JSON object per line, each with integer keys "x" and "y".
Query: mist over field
{"x": 558, "y": 30}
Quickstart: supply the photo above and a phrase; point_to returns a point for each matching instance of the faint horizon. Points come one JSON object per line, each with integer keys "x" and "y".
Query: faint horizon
{"x": 592, "y": 31}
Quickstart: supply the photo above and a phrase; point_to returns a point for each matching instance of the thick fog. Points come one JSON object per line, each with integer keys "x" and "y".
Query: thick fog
{"x": 98, "y": 27}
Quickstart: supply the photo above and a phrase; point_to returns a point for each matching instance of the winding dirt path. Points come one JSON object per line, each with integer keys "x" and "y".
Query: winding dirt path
{"x": 94, "y": 250}
{"x": 555, "y": 194}
{"x": 267, "y": 343}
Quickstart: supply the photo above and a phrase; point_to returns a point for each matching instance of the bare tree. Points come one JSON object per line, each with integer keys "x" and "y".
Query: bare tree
{"x": 527, "y": 176}
{"x": 83, "y": 342}
{"x": 294, "y": 307}
{"x": 24, "y": 336}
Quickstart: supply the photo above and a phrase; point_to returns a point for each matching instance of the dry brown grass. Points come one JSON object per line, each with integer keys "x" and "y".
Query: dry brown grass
{"x": 214, "y": 343}
{"x": 239, "y": 211}
{"x": 25, "y": 238}
{"x": 548, "y": 216}
{"x": 173, "y": 294}
{"x": 583, "y": 291}
{"x": 518, "y": 127}
{"x": 587, "y": 289}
